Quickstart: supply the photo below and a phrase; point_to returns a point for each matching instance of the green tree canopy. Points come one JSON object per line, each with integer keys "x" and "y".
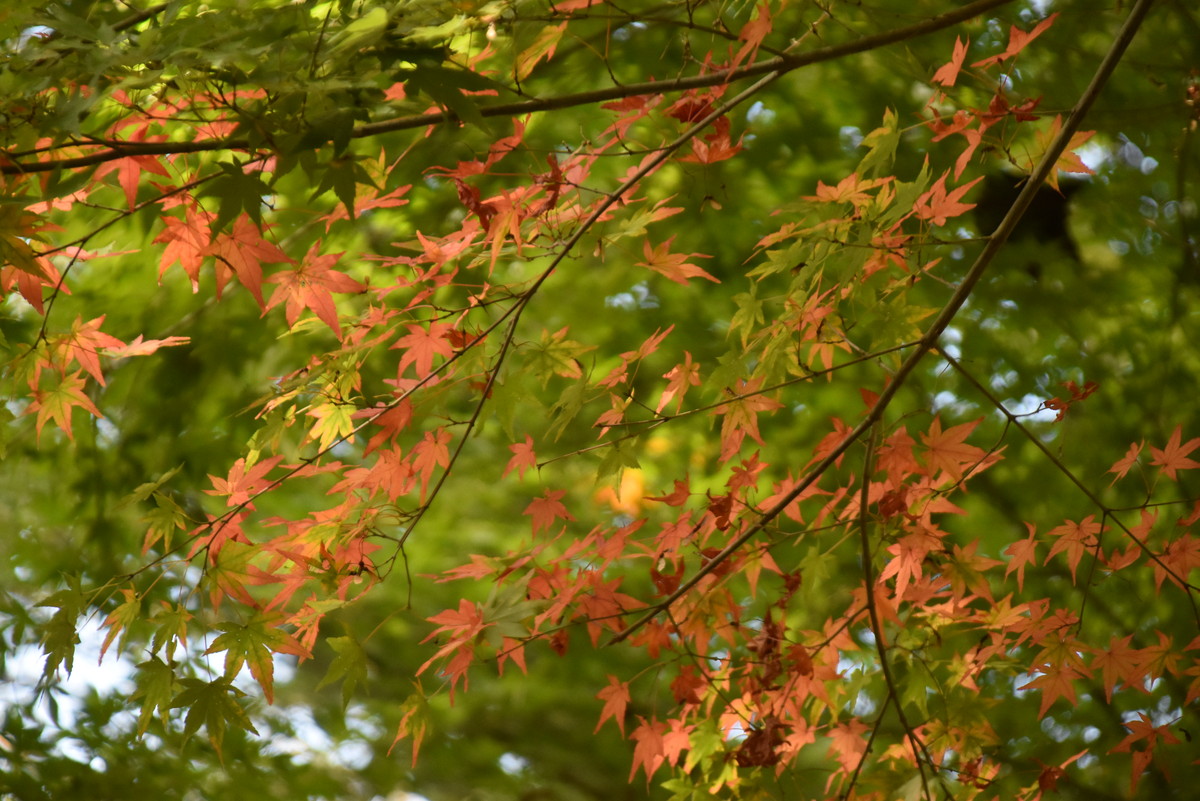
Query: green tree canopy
{"x": 579, "y": 400}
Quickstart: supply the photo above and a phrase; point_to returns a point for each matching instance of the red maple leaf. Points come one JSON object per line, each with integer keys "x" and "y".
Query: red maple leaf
{"x": 1055, "y": 681}
{"x": 1142, "y": 729}
{"x": 1119, "y": 662}
{"x": 648, "y": 754}
{"x": 1175, "y": 456}
{"x": 680, "y": 377}
{"x": 310, "y": 286}
{"x": 244, "y": 250}
{"x": 753, "y": 33}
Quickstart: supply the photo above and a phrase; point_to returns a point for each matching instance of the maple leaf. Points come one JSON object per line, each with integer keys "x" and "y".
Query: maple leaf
{"x": 616, "y": 698}
{"x": 947, "y": 74}
{"x": 1073, "y": 539}
{"x": 846, "y": 742}
{"x": 546, "y": 509}
{"x": 156, "y": 683}
{"x": 938, "y": 205}
{"x": 1118, "y": 662}
{"x": 674, "y": 266}
{"x": 523, "y": 458}
{"x": 244, "y": 250}
{"x": 947, "y": 451}
{"x": 677, "y": 497}
{"x": 243, "y": 481}
{"x": 57, "y": 403}
{"x": 129, "y": 171}
{"x": 648, "y": 754}
{"x": 1017, "y": 41}
{"x": 84, "y": 343}
{"x": 1055, "y": 681}
{"x": 187, "y": 243}
{"x": 144, "y": 347}
{"x": 741, "y": 416}
{"x": 421, "y": 344}
{"x": 253, "y": 644}
{"x": 1175, "y": 456}
{"x": 753, "y": 33}
{"x": 1023, "y": 554}
{"x": 1125, "y": 463}
{"x": 310, "y": 286}
{"x": 212, "y": 705}
{"x": 431, "y": 453}
{"x": 120, "y": 619}
{"x": 1182, "y": 556}
{"x": 1142, "y": 729}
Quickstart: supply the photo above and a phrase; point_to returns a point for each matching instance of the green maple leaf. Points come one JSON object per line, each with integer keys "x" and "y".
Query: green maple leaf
{"x": 350, "y": 665}
{"x": 156, "y": 685}
{"x": 254, "y": 644}
{"x": 212, "y": 705}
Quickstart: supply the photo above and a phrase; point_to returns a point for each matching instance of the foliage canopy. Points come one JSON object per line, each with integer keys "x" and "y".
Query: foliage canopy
{"x": 598, "y": 399}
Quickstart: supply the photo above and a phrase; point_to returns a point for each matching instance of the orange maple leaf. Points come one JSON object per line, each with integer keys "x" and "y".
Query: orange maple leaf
{"x": 1118, "y": 662}
{"x": 1073, "y": 539}
{"x": 244, "y": 250}
{"x": 1175, "y": 456}
{"x": 431, "y": 453}
{"x": 680, "y": 377}
{"x": 947, "y": 74}
{"x": 1125, "y": 463}
{"x": 938, "y": 205}
{"x": 947, "y": 451}
{"x": 1055, "y": 681}
{"x": 544, "y": 510}
{"x": 523, "y": 458}
{"x": 1142, "y": 729}
{"x": 648, "y": 754}
{"x": 741, "y": 417}
{"x": 1017, "y": 41}
{"x": 674, "y": 266}
{"x": 616, "y": 698}
{"x": 310, "y": 285}
{"x": 84, "y": 343}
{"x": 421, "y": 344}
{"x": 243, "y": 482}
{"x": 1023, "y": 554}
{"x": 187, "y": 243}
